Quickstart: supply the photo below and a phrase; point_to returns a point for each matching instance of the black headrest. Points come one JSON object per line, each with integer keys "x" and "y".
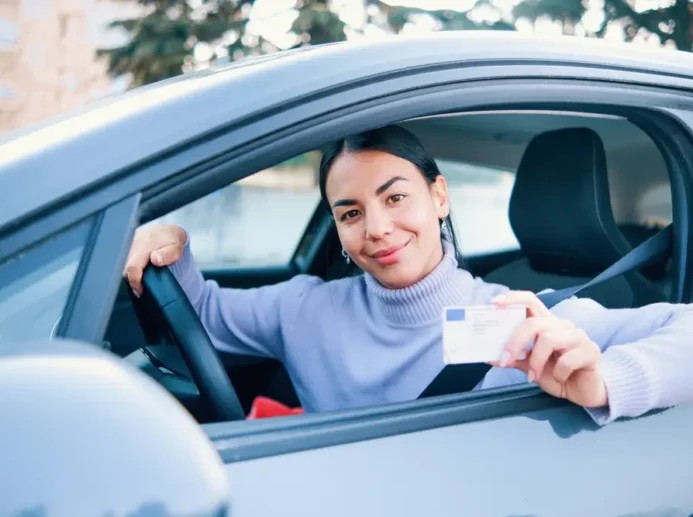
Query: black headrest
{"x": 560, "y": 209}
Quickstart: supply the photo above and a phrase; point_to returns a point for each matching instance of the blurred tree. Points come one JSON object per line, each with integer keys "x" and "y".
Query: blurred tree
{"x": 446, "y": 19}
{"x": 162, "y": 41}
{"x": 317, "y": 24}
{"x": 668, "y": 20}
{"x": 174, "y": 36}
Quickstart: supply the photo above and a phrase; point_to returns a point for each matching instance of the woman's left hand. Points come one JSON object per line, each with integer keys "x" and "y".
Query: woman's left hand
{"x": 564, "y": 362}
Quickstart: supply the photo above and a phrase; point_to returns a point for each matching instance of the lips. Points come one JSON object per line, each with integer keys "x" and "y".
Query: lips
{"x": 388, "y": 252}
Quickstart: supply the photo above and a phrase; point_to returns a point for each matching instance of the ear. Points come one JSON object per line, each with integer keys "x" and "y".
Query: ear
{"x": 439, "y": 192}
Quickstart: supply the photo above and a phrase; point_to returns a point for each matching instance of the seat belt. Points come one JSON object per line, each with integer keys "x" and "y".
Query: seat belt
{"x": 459, "y": 378}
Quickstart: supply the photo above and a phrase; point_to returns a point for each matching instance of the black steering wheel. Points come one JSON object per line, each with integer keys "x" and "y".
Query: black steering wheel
{"x": 163, "y": 293}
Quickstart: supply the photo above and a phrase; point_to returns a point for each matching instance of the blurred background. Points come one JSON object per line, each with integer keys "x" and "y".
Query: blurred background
{"x": 57, "y": 55}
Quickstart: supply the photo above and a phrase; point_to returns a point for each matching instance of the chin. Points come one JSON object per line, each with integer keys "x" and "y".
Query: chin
{"x": 396, "y": 278}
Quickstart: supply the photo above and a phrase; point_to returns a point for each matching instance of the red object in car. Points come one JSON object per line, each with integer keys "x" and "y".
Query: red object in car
{"x": 264, "y": 407}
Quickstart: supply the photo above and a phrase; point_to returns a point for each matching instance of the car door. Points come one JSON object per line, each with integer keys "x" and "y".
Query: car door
{"x": 509, "y": 451}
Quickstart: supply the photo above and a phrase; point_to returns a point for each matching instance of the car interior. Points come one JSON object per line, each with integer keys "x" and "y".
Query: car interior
{"x": 577, "y": 192}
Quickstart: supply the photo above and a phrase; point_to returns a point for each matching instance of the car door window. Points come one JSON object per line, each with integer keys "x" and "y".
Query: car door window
{"x": 255, "y": 222}
{"x": 35, "y": 284}
{"x": 480, "y": 198}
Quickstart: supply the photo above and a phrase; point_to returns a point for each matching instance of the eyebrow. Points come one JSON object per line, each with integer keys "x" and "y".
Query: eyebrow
{"x": 382, "y": 188}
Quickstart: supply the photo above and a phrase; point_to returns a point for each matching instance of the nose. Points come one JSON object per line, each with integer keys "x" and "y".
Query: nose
{"x": 378, "y": 224}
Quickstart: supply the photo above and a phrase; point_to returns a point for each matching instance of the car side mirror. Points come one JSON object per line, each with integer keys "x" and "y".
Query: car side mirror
{"x": 83, "y": 433}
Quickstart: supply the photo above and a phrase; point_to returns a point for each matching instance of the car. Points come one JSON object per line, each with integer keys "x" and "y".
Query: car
{"x": 563, "y": 155}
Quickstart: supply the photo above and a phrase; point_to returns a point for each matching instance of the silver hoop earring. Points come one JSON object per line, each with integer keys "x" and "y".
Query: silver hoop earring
{"x": 346, "y": 256}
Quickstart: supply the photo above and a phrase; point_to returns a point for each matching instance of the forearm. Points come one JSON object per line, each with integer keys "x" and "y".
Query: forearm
{"x": 649, "y": 373}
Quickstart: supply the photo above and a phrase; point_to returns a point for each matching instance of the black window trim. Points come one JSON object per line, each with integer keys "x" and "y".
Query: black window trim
{"x": 89, "y": 306}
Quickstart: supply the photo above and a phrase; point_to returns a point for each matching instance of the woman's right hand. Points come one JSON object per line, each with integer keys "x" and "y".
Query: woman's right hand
{"x": 160, "y": 244}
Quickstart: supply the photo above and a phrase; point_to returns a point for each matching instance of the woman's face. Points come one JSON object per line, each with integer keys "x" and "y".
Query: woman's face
{"x": 387, "y": 215}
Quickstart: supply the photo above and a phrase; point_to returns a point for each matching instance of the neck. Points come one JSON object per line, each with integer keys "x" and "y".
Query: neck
{"x": 423, "y": 301}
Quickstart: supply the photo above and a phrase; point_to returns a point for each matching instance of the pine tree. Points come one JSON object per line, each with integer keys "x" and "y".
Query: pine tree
{"x": 161, "y": 42}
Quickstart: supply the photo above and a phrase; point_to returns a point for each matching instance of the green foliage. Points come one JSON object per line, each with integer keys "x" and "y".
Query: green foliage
{"x": 162, "y": 41}
{"x": 671, "y": 23}
{"x": 317, "y": 24}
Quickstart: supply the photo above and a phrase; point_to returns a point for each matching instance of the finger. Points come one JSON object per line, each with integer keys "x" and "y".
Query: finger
{"x": 137, "y": 261}
{"x": 525, "y": 334}
{"x": 166, "y": 255}
{"x": 579, "y": 358}
{"x": 145, "y": 243}
{"x": 535, "y": 306}
{"x": 554, "y": 340}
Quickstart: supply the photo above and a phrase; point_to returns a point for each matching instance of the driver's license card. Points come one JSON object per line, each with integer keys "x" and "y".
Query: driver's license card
{"x": 478, "y": 334}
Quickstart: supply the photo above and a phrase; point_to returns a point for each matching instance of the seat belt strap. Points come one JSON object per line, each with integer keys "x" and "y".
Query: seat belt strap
{"x": 458, "y": 378}
{"x": 644, "y": 254}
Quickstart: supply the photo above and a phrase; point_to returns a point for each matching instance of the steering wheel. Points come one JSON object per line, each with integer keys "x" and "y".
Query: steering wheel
{"x": 162, "y": 291}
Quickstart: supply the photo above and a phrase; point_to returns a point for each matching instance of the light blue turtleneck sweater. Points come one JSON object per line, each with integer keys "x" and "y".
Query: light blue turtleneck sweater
{"x": 352, "y": 342}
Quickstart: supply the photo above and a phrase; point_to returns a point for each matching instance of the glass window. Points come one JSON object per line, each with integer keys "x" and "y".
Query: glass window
{"x": 479, "y": 202}
{"x": 9, "y": 33}
{"x": 255, "y": 222}
{"x": 35, "y": 284}
{"x": 6, "y": 91}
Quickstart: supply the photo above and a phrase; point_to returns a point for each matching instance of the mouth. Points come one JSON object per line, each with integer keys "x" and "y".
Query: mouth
{"x": 389, "y": 255}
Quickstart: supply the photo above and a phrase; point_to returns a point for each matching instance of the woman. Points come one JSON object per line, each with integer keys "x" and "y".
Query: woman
{"x": 376, "y": 338}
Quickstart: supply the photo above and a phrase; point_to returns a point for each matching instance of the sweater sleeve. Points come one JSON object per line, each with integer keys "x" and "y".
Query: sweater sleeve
{"x": 646, "y": 357}
{"x": 242, "y": 321}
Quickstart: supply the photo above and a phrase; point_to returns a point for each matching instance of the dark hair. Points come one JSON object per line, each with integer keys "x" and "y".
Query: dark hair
{"x": 394, "y": 140}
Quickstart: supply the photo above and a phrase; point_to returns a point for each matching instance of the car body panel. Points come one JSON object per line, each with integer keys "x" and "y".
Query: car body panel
{"x": 549, "y": 462}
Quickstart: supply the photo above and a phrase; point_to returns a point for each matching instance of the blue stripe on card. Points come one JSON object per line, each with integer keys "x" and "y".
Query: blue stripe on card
{"x": 455, "y": 315}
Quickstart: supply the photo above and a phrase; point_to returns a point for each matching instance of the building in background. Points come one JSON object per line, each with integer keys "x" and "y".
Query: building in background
{"x": 48, "y": 61}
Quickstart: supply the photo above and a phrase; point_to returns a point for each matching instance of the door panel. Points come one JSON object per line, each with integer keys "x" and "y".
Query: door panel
{"x": 549, "y": 462}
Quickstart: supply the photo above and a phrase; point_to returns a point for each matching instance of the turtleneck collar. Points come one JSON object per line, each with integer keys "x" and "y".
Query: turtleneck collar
{"x": 423, "y": 301}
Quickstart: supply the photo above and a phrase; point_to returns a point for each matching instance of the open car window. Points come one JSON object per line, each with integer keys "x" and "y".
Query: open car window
{"x": 35, "y": 285}
{"x": 480, "y": 199}
{"x": 255, "y": 222}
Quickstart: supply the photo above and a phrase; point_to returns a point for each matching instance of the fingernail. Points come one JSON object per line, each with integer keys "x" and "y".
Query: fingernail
{"x": 499, "y": 298}
{"x": 505, "y": 359}
{"x": 523, "y": 355}
{"x": 137, "y": 295}
{"x": 530, "y": 375}
{"x": 158, "y": 259}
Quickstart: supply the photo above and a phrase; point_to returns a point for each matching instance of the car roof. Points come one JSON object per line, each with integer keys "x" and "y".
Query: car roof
{"x": 92, "y": 144}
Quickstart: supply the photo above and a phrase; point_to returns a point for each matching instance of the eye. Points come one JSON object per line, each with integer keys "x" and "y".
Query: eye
{"x": 396, "y": 198}
{"x": 349, "y": 215}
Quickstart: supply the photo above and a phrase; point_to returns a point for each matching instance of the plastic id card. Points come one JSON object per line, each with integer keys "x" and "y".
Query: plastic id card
{"x": 478, "y": 334}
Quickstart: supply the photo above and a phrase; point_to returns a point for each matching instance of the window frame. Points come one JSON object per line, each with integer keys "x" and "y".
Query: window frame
{"x": 96, "y": 285}
{"x": 237, "y": 441}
